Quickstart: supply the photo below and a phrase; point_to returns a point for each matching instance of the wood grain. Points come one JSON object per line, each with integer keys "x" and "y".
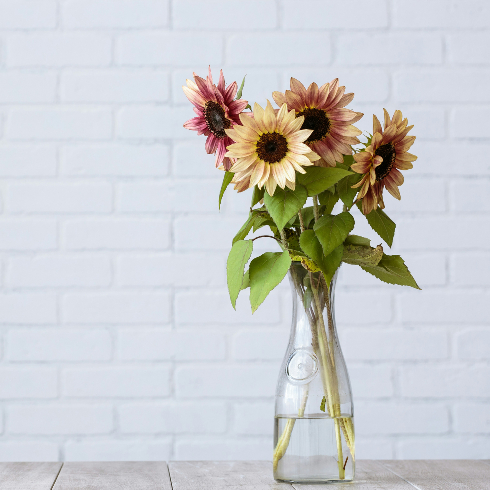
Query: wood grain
{"x": 232, "y": 475}
{"x": 114, "y": 476}
{"x": 443, "y": 474}
{"x": 370, "y": 475}
{"x": 28, "y": 476}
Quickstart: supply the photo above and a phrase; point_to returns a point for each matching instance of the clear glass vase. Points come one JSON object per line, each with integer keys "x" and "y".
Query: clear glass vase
{"x": 314, "y": 413}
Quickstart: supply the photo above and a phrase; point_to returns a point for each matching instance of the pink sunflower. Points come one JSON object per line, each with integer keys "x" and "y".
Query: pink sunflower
{"x": 324, "y": 113}
{"x": 216, "y": 111}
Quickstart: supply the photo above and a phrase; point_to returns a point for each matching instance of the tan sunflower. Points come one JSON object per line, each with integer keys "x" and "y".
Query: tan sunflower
{"x": 382, "y": 161}
{"x": 269, "y": 149}
{"x": 325, "y": 114}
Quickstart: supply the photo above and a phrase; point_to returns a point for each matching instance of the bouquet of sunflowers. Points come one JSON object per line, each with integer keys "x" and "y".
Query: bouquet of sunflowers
{"x": 302, "y": 160}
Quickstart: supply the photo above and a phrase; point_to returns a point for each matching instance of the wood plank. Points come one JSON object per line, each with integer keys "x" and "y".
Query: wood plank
{"x": 234, "y": 475}
{"x": 443, "y": 474}
{"x": 370, "y": 475}
{"x": 28, "y": 476}
{"x": 128, "y": 475}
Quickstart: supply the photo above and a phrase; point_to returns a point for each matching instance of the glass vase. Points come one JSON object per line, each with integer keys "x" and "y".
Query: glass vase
{"x": 314, "y": 413}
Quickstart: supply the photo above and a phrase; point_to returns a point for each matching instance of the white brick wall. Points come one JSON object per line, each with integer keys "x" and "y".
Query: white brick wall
{"x": 117, "y": 339}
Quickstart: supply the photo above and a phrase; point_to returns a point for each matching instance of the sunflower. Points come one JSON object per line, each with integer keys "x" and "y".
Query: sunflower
{"x": 324, "y": 113}
{"x": 382, "y": 161}
{"x": 216, "y": 112}
{"x": 269, "y": 149}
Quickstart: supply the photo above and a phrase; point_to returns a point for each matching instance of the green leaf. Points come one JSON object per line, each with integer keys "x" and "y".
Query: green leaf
{"x": 240, "y": 90}
{"x": 392, "y": 269}
{"x": 257, "y": 196}
{"x": 322, "y": 404}
{"x": 248, "y": 106}
{"x": 381, "y": 224}
{"x": 285, "y": 203}
{"x": 235, "y": 265}
{"x": 333, "y": 230}
{"x": 226, "y": 181}
{"x": 345, "y": 190}
{"x": 348, "y": 160}
{"x": 266, "y": 272}
{"x": 357, "y": 240}
{"x": 245, "y": 281}
{"x": 245, "y": 229}
{"x": 312, "y": 247}
{"x": 362, "y": 255}
{"x": 319, "y": 179}
{"x": 329, "y": 200}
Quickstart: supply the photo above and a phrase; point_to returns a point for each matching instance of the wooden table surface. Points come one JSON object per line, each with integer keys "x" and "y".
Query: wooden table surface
{"x": 238, "y": 475}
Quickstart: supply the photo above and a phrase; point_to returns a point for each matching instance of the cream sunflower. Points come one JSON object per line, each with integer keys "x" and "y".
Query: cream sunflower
{"x": 325, "y": 114}
{"x": 382, "y": 161}
{"x": 269, "y": 149}
{"x": 216, "y": 111}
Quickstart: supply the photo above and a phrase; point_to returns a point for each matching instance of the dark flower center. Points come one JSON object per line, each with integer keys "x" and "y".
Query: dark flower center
{"x": 317, "y": 120}
{"x": 272, "y": 147}
{"x": 216, "y": 119}
{"x": 387, "y": 152}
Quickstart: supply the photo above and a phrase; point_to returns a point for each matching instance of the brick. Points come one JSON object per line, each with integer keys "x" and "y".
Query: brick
{"x": 58, "y": 345}
{"x": 179, "y": 270}
{"x": 390, "y": 48}
{"x": 22, "y": 234}
{"x": 326, "y": 14}
{"x": 59, "y": 49}
{"x": 118, "y": 160}
{"x": 371, "y": 381}
{"x": 166, "y": 345}
{"x": 100, "y": 234}
{"x": 116, "y": 307}
{"x": 375, "y": 308}
{"x": 429, "y": 123}
{"x": 230, "y": 381}
{"x": 115, "y": 86}
{"x": 28, "y": 382}
{"x": 60, "y": 419}
{"x": 28, "y": 308}
{"x": 168, "y": 196}
{"x": 472, "y": 418}
{"x": 229, "y": 449}
{"x": 470, "y": 269}
{"x": 26, "y": 160}
{"x": 113, "y": 14}
{"x": 262, "y": 345}
{"x": 191, "y": 160}
{"x": 173, "y": 418}
{"x": 383, "y": 345}
{"x": 253, "y": 419}
{"x": 469, "y": 122}
{"x": 432, "y": 233}
{"x": 118, "y": 450}
{"x": 29, "y": 450}
{"x": 434, "y": 85}
{"x": 192, "y": 233}
{"x": 385, "y": 419}
{"x": 59, "y": 198}
{"x": 255, "y": 14}
{"x": 214, "y": 308}
{"x": 368, "y": 84}
{"x": 469, "y": 47}
{"x": 278, "y": 48}
{"x": 374, "y": 448}
{"x": 153, "y": 122}
{"x": 27, "y": 87}
{"x": 26, "y": 14}
{"x": 447, "y": 160}
{"x": 445, "y": 381}
{"x": 116, "y": 382}
{"x": 445, "y": 307}
{"x": 169, "y": 48}
{"x": 59, "y": 271}
{"x": 448, "y": 447}
{"x": 53, "y": 123}
{"x": 473, "y": 344}
{"x": 436, "y": 14}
